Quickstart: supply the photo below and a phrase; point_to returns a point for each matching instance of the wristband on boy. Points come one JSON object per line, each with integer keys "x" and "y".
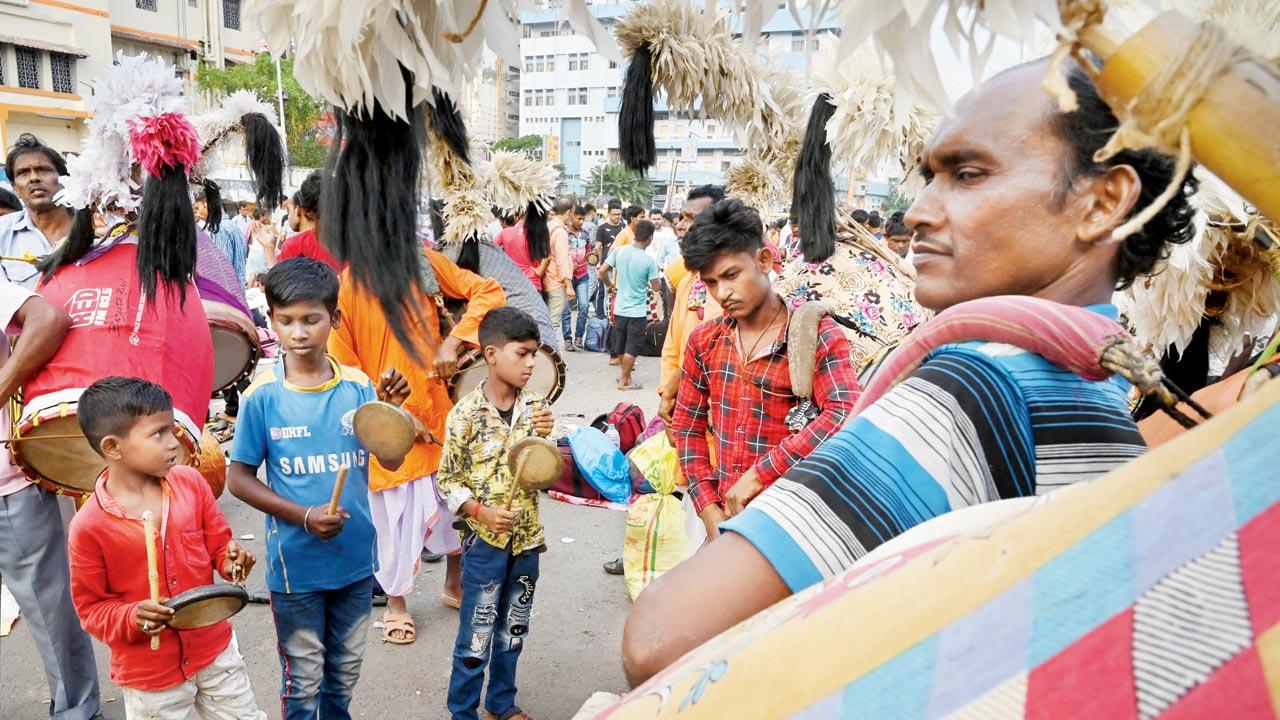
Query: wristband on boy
{"x": 475, "y": 510}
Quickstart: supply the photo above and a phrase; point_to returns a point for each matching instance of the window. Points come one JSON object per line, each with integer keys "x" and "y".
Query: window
{"x": 28, "y": 67}
{"x": 576, "y": 96}
{"x": 528, "y": 98}
{"x": 797, "y": 42}
{"x": 528, "y": 65}
{"x": 231, "y": 14}
{"x": 539, "y": 63}
{"x": 613, "y": 65}
{"x": 2, "y": 53}
{"x": 61, "y": 65}
{"x": 711, "y": 128}
{"x": 551, "y": 63}
{"x": 724, "y": 165}
{"x": 612, "y": 93}
{"x": 192, "y": 3}
{"x": 145, "y": 5}
{"x": 682, "y": 130}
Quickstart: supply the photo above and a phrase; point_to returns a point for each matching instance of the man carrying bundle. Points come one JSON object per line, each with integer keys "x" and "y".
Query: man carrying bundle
{"x": 1015, "y": 204}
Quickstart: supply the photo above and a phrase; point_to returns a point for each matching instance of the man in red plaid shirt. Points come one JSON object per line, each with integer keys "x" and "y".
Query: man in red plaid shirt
{"x": 736, "y": 381}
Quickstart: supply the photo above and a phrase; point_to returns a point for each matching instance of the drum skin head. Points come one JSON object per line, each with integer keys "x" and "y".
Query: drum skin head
{"x": 68, "y": 465}
{"x": 384, "y": 429}
{"x": 535, "y": 463}
{"x": 547, "y": 381}
{"x": 233, "y": 356}
{"x": 206, "y": 605}
{"x": 211, "y": 463}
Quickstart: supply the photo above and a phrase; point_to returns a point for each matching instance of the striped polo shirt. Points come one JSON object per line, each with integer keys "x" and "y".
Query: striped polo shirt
{"x": 976, "y": 422}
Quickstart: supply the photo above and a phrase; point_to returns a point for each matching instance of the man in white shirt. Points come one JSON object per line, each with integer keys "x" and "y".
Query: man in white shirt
{"x": 33, "y": 543}
{"x": 34, "y": 169}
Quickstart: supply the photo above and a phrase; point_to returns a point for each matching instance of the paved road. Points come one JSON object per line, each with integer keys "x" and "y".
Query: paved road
{"x": 576, "y": 632}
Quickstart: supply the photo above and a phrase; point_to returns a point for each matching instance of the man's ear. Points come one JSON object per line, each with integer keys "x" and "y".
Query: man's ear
{"x": 491, "y": 355}
{"x": 764, "y": 258}
{"x": 111, "y": 447}
{"x": 1109, "y": 200}
{"x": 336, "y": 317}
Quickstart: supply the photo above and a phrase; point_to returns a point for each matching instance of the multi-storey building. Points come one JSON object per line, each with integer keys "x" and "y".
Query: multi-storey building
{"x": 50, "y": 51}
{"x": 490, "y": 101}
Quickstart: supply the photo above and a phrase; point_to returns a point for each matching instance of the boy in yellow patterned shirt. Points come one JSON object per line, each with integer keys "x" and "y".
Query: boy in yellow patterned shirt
{"x": 500, "y": 554}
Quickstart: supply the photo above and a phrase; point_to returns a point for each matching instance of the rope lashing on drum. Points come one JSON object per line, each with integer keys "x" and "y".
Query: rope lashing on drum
{"x": 1157, "y": 116}
{"x": 1121, "y": 357}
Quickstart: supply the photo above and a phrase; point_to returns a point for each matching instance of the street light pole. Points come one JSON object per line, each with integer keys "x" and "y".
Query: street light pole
{"x": 284, "y": 134}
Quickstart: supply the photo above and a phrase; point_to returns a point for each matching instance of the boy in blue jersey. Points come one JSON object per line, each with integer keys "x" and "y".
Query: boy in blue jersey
{"x": 297, "y": 419}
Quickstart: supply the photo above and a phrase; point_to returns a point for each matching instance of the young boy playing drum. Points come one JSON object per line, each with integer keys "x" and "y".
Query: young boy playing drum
{"x": 500, "y": 554}
{"x": 297, "y": 419}
{"x": 130, "y": 423}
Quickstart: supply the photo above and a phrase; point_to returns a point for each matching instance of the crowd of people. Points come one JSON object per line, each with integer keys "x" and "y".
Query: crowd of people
{"x": 790, "y": 489}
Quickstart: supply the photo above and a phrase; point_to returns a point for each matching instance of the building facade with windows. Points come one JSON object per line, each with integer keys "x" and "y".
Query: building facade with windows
{"x": 51, "y": 50}
{"x": 569, "y": 91}
{"x": 490, "y": 101}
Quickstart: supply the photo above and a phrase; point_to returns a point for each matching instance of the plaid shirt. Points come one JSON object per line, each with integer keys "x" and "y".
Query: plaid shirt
{"x": 745, "y": 407}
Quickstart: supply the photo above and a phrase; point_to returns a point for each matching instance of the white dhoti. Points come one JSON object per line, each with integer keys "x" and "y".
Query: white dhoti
{"x": 408, "y": 518}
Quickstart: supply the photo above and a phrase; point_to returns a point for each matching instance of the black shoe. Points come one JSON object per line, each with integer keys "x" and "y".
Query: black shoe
{"x": 429, "y": 557}
{"x": 614, "y": 567}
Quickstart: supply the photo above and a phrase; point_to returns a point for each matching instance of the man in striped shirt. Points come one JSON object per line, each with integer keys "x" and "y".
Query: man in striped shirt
{"x": 1015, "y": 204}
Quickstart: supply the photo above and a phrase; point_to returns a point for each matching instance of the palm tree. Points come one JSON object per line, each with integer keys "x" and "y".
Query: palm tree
{"x": 614, "y": 179}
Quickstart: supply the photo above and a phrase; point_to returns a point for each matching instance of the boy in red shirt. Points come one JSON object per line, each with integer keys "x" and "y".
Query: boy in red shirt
{"x": 130, "y": 423}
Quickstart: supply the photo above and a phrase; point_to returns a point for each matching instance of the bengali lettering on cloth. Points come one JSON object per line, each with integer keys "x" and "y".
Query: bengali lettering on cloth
{"x": 114, "y": 331}
{"x": 873, "y": 299}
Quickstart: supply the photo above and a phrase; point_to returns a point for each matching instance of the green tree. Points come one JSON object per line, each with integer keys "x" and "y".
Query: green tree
{"x": 530, "y": 145}
{"x": 303, "y": 113}
{"x": 615, "y": 180}
{"x": 896, "y": 202}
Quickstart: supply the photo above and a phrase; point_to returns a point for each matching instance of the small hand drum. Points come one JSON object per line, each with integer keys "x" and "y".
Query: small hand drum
{"x": 206, "y": 605}
{"x": 386, "y": 430}
{"x": 535, "y": 463}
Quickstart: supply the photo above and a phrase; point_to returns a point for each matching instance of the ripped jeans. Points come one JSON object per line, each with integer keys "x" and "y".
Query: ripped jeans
{"x": 497, "y": 600}
{"x": 321, "y": 638}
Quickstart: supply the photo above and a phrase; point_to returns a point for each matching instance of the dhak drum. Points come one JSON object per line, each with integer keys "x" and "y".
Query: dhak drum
{"x": 235, "y": 344}
{"x": 547, "y": 380}
{"x": 206, "y": 605}
{"x": 211, "y": 463}
{"x": 535, "y": 464}
{"x": 52, "y": 451}
{"x": 384, "y": 429}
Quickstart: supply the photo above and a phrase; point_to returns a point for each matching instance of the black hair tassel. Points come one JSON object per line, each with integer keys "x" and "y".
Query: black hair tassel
{"x": 636, "y": 143}
{"x": 79, "y": 241}
{"x": 814, "y": 202}
{"x": 369, "y": 203}
{"x": 446, "y": 121}
{"x": 166, "y": 232}
{"x": 536, "y": 233}
{"x": 213, "y": 201}
{"x": 469, "y": 255}
{"x": 265, "y": 154}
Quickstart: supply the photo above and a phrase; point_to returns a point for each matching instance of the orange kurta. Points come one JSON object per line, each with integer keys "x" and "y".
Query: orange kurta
{"x": 364, "y": 340}
{"x": 682, "y": 322}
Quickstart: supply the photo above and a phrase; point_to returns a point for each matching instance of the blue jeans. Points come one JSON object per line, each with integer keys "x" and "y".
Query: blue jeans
{"x": 321, "y": 639}
{"x": 582, "y": 301}
{"x": 497, "y": 600}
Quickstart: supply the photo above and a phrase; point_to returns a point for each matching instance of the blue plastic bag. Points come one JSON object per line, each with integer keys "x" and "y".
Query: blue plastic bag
{"x": 602, "y": 464}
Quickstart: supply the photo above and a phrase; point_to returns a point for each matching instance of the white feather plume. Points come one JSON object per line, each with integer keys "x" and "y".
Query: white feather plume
{"x": 701, "y": 69}
{"x": 901, "y": 30}
{"x": 869, "y": 128}
{"x": 513, "y": 180}
{"x": 220, "y": 128}
{"x": 358, "y": 53}
{"x": 756, "y": 183}
{"x": 137, "y": 86}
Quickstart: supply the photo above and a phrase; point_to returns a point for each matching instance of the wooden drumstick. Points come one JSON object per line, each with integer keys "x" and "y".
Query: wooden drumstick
{"x": 337, "y": 489}
{"x": 515, "y": 481}
{"x": 153, "y": 572}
